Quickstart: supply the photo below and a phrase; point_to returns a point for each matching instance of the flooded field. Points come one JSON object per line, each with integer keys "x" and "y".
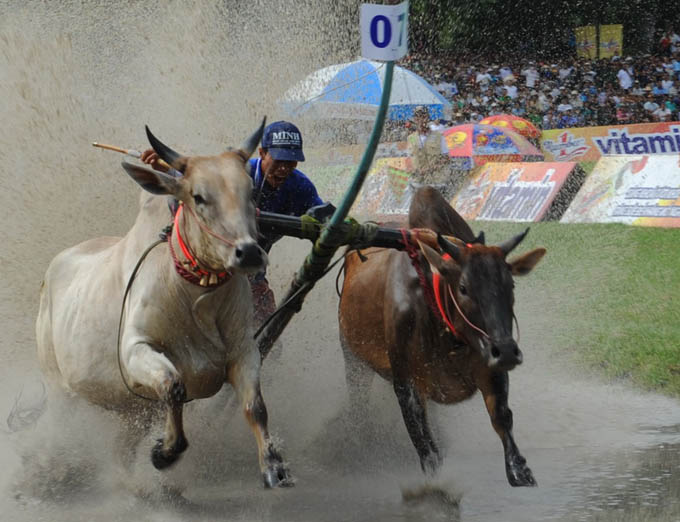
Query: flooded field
{"x": 598, "y": 452}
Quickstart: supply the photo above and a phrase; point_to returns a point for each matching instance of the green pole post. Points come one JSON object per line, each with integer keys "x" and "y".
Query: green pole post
{"x": 332, "y": 236}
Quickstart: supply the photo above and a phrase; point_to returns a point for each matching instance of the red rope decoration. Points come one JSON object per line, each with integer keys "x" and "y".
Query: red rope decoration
{"x": 413, "y": 254}
{"x": 196, "y": 274}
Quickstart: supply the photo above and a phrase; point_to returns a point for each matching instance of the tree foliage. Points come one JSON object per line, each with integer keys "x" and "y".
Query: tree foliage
{"x": 540, "y": 28}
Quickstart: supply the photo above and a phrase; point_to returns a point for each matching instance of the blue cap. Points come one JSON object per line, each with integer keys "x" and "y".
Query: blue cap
{"x": 283, "y": 141}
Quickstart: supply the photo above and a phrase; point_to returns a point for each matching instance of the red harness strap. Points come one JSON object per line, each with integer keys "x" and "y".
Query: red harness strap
{"x": 436, "y": 278}
{"x": 433, "y": 298}
{"x": 195, "y": 274}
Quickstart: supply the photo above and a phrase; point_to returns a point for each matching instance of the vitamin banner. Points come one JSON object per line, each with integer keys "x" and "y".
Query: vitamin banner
{"x": 511, "y": 191}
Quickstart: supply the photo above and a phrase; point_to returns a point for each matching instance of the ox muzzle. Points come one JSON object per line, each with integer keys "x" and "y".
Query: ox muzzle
{"x": 250, "y": 256}
{"x": 504, "y": 355}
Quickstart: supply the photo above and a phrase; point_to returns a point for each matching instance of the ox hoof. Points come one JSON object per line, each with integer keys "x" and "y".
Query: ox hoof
{"x": 277, "y": 476}
{"x": 162, "y": 458}
{"x": 520, "y": 475}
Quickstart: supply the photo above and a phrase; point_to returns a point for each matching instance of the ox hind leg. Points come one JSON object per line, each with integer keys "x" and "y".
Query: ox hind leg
{"x": 153, "y": 370}
{"x": 494, "y": 386}
{"x": 244, "y": 376}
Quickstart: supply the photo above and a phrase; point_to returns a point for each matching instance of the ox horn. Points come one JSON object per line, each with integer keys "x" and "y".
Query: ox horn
{"x": 448, "y": 247}
{"x": 251, "y": 143}
{"x": 509, "y": 245}
{"x": 168, "y": 155}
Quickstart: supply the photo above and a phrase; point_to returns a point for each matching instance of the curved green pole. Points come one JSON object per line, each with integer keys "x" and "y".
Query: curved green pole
{"x": 367, "y": 159}
{"x": 332, "y": 236}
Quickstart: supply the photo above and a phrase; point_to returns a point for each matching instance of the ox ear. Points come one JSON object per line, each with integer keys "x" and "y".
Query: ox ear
{"x": 153, "y": 181}
{"x": 526, "y": 263}
{"x": 248, "y": 147}
{"x": 446, "y": 269}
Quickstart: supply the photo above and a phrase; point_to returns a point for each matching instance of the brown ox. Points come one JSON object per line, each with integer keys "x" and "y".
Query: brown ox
{"x": 386, "y": 323}
{"x": 187, "y": 326}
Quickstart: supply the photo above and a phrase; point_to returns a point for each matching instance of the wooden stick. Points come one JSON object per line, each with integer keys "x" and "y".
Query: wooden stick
{"x": 129, "y": 152}
{"x": 111, "y": 147}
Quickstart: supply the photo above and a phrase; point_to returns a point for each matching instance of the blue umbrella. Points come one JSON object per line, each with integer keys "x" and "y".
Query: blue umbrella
{"x": 352, "y": 91}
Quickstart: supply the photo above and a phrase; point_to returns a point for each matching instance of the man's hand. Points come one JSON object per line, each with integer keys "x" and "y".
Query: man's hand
{"x": 150, "y": 157}
{"x": 321, "y": 212}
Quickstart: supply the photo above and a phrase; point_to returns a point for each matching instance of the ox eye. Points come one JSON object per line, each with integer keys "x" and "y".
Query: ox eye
{"x": 198, "y": 199}
{"x": 462, "y": 289}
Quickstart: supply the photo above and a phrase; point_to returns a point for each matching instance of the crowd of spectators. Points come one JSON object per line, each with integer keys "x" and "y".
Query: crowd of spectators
{"x": 571, "y": 92}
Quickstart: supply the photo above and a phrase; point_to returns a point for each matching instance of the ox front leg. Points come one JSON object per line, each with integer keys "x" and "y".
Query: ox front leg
{"x": 415, "y": 417}
{"x": 494, "y": 387}
{"x": 244, "y": 376}
{"x": 149, "y": 369}
{"x": 168, "y": 449}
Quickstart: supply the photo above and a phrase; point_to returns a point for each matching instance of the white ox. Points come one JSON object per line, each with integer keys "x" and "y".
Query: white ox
{"x": 182, "y": 337}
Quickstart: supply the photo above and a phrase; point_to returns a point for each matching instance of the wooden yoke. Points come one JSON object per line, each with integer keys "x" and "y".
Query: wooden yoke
{"x": 353, "y": 233}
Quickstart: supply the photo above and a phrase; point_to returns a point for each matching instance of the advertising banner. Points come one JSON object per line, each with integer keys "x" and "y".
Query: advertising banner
{"x": 511, "y": 191}
{"x": 637, "y": 190}
{"x": 587, "y": 144}
{"x": 385, "y": 190}
{"x": 586, "y": 42}
{"x": 611, "y": 40}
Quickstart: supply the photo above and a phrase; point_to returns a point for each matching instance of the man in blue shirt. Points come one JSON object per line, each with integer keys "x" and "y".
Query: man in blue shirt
{"x": 277, "y": 187}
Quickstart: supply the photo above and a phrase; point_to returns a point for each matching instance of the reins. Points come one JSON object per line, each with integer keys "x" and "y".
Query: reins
{"x": 205, "y": 227}
{"x": 435, "y": 283}
{"x": 292, "y": 297}
{"x": 164, "y": 237}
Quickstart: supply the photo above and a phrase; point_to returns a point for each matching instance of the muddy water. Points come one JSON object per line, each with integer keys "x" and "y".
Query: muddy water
{"x": 86, "y": 72}
{"x": 599, "y": 452}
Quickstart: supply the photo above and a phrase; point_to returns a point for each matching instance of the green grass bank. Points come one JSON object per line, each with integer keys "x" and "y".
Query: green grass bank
{"x": 608, "y": 296}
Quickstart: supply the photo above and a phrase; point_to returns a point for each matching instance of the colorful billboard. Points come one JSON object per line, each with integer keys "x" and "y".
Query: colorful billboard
{"x": 637, "y": 190}
{"x": 586, "y": 144}
{"x": 511, "y": 191}
{"x": 385, "y": 190}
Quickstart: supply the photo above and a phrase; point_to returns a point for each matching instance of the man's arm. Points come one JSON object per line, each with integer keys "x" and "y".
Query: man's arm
{"x": 306, "y": 195}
